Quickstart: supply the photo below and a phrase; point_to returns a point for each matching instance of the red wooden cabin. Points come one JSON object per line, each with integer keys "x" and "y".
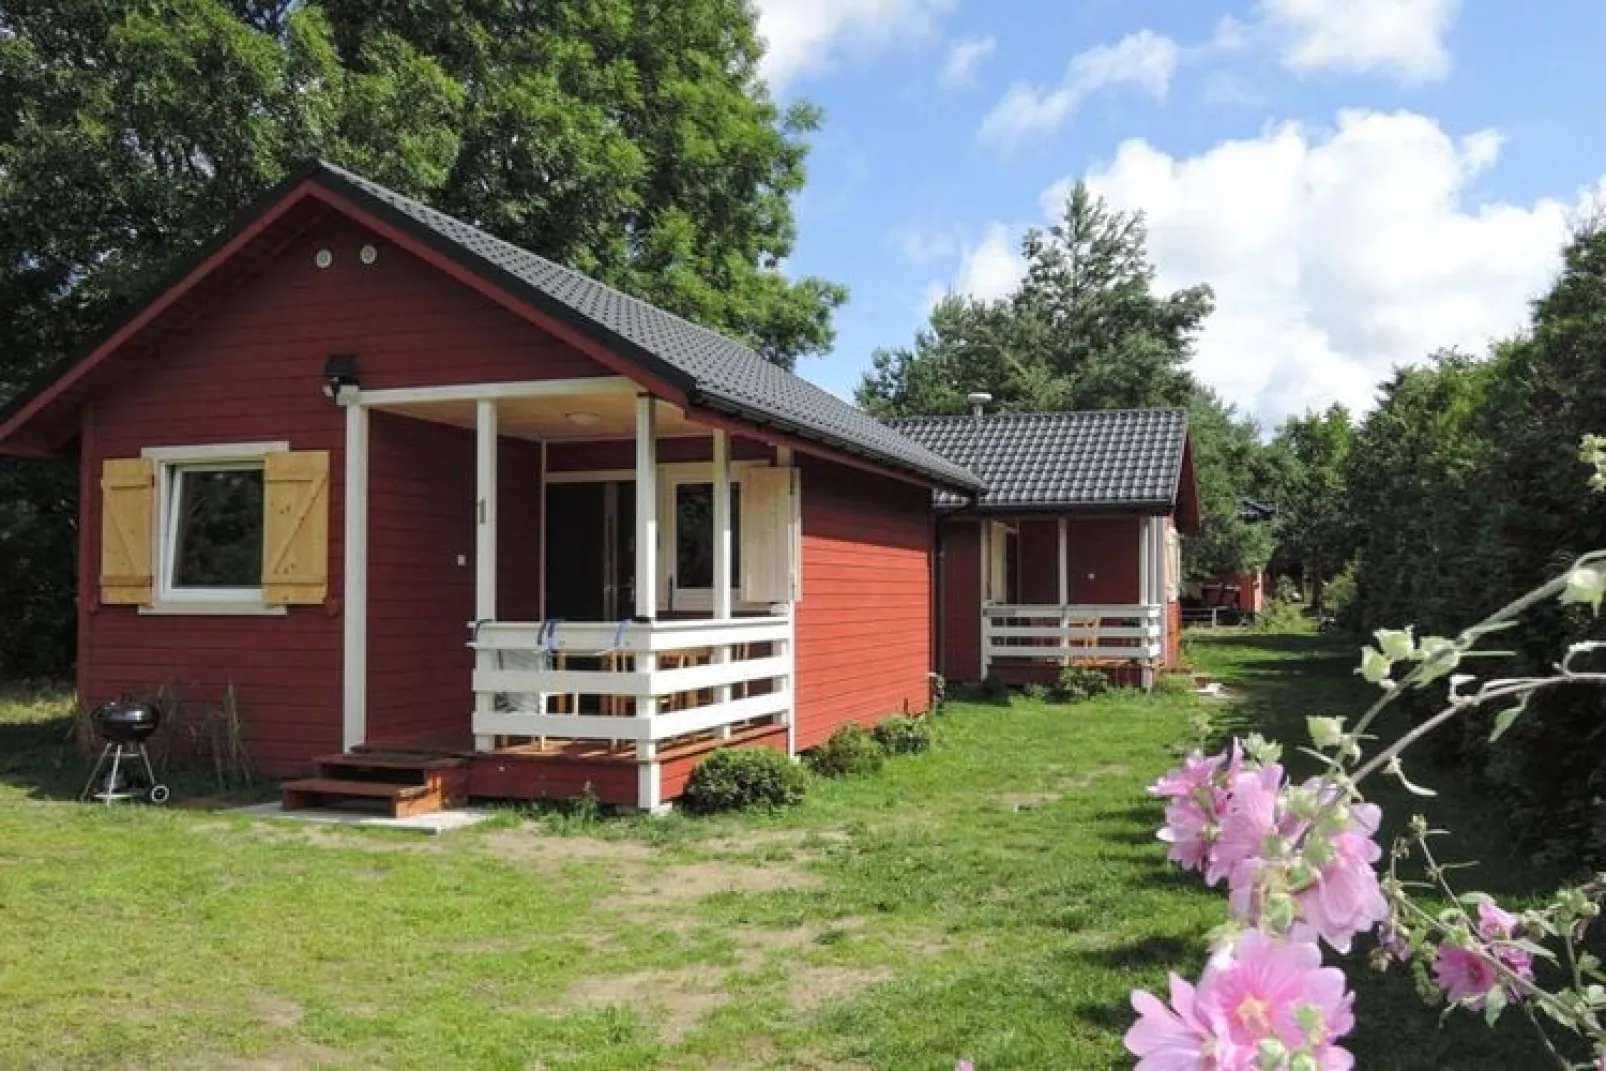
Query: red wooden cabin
{"x": 1072, "y": 555}
{"x": 409, "y": 490}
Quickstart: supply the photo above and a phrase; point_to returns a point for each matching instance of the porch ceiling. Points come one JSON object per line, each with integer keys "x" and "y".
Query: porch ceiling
{"x": 554, "y": 418}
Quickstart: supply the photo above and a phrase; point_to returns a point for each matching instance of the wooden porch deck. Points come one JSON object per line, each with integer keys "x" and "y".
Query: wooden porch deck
{"x": 564, "y": 769}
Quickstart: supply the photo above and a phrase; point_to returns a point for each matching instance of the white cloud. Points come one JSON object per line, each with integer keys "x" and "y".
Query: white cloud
{"x": 920, "y": 243}
{"x": 1336, "y": 255}
{"x": 988, "y": 270}
{"x": 1144, "y": 60}
{"x": 1405, "y": 37}
{"x": 963, "y": 59}
{"x": 804, "y": 37}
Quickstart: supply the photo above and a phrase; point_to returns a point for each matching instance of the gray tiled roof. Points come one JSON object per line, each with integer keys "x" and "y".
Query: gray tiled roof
{"x": 714, "y": 370}
{"x": 1094, "y": 460}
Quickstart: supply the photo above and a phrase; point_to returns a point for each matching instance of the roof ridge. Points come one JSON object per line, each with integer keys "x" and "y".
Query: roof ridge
{"x": 1040, "y": 413}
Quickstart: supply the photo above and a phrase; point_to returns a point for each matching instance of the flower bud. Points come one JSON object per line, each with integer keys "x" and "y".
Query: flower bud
{"x": 1374, "y": 666}
{"x": 1587, "y": 585}
{"x": 1270, "y": 1055}
{"x": 1281, "y": 912}
{"x": 1326, "y": 732}
{"x": 1397, "y": 645}
{"x": 1303, "y": 1061}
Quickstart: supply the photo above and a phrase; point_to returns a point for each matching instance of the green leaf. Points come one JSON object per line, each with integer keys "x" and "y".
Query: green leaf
{"x": 1504, "y": 720}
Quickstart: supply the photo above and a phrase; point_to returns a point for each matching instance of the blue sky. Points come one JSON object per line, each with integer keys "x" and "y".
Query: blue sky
{"x": 1362, "y": 181}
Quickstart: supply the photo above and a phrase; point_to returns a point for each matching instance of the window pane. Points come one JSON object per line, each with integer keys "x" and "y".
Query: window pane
{"x": 218, "y": 529}
{"x": 694, "y": 535}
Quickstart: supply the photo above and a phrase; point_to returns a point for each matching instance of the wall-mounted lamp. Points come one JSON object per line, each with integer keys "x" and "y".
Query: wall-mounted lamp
{"x": 583, "y": 419}
{"x": 339, "y": 373}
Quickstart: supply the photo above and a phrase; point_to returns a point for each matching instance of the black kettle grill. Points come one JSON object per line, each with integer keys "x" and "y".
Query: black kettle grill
{"x": 125, "y": 725}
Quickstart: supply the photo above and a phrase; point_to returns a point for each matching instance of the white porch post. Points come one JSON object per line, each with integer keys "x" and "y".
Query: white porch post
{"x": 649, "y": 787}
{"x": 485, "y": 547}
{"x": 646, "y": 508}
{"x": 984, "y": 537}
{"x": 722, "y": 555}
{"x": 354, "y": 698}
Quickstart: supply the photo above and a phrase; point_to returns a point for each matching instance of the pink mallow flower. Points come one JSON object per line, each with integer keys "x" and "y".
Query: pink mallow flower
{"x": 1197, "y": 796}
{"x": 1170, "y": 1037}
{"x": 1248, "y": 819}
{"x": 1197, "y": 771}
{"x": 1346, "y": 898}
{"x": 1467, "y": 975}
{"x": 1265, "y": 990}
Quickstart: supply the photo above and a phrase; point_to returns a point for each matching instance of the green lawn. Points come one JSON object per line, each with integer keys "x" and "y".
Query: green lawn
{"x": 995, "y": 899}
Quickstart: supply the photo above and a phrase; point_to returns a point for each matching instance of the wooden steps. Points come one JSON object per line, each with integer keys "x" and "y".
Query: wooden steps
{"x": 406, "y": 785}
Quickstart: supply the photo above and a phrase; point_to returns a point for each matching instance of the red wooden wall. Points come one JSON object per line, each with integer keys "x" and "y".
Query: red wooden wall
{"x": 961, "y": 601}
{"x": 249, "y": 369}
{"x": 863, "y": 625}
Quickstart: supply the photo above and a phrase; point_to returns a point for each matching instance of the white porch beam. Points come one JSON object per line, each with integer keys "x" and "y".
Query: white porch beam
{"x": 646, "y": 507}
{"x": 485, "y": 542}
{"x": 474, "y": 392}
{"x": 354, "y": 693}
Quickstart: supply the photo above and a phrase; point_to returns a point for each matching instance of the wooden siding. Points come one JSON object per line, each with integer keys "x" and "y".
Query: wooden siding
{"x": 249, "y": 369}
{"x": 1104, "y": 559}
{"x": 863, "y": 625}
{"x": 515, "y": 777}
{"x": 961, "y": 601}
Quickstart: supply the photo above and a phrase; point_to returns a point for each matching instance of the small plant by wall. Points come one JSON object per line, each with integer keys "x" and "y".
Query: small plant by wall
{"x": 850, "y": 752}
{"x": 734, "y": 779}
{"x": 1078, "y": 683}
{"x": 899, "y": 735}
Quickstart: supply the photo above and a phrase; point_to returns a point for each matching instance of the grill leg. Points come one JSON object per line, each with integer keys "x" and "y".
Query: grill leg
{"x": 93, "y": 774}
{"x": 111, "y": 780}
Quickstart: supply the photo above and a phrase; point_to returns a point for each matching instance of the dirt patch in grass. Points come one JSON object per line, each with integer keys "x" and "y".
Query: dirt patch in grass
{"x": 687, "y": 883}
{"x": 1086, "y": 780}
{"x": 814, "y": 987}
{"x": 280, "y": 1013}
{"x": 682, "y": 998}
{"x": 528, "y": 847}
{"x": 298, "y": 1057}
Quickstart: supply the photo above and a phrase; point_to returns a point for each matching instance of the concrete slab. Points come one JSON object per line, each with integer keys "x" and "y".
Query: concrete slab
{"x": 439, "y": 822}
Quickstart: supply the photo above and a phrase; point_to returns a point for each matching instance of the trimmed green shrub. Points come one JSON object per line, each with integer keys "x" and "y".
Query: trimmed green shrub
{"x": 899, "y": 735}
{"x": 734, "y": 779}
{"x": 1037, "y": 693}
{"x": 1077, "y": 683}
{"x": 850, "y": 751}
{"x": 1173, "y": 684}
{"x": 993, "y": 689}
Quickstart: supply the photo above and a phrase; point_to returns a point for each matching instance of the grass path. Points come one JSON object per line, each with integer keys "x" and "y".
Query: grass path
{"x": 995, "y": 899}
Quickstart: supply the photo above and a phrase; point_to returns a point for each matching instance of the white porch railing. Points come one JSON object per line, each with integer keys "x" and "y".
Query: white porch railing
{"x": 653, "y": 680}
{"x": 1134, "y": 633}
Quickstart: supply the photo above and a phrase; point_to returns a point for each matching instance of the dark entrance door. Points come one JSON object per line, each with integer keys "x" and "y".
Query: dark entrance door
{"x": 590, "y": 551}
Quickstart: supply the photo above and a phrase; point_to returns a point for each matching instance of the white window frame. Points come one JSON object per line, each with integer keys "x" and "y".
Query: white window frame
{"x": 171, "y": 463}
{"x": 670, "y": 479}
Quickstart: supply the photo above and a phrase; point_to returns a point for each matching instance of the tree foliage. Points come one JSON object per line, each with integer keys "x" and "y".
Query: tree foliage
{"x": 1086, "y": 329}
{"x": 629, "y": 138}
{"x": 1314, "y": 528}
{"x": 1232, "y": 466}
{"x": 1465, "y": 489}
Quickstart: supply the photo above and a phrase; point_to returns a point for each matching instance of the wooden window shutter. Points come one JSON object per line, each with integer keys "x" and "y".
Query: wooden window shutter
{"x": 295, "y": 527}
{"x": 769, "y": 535}
{"x": 127, "y": 497}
